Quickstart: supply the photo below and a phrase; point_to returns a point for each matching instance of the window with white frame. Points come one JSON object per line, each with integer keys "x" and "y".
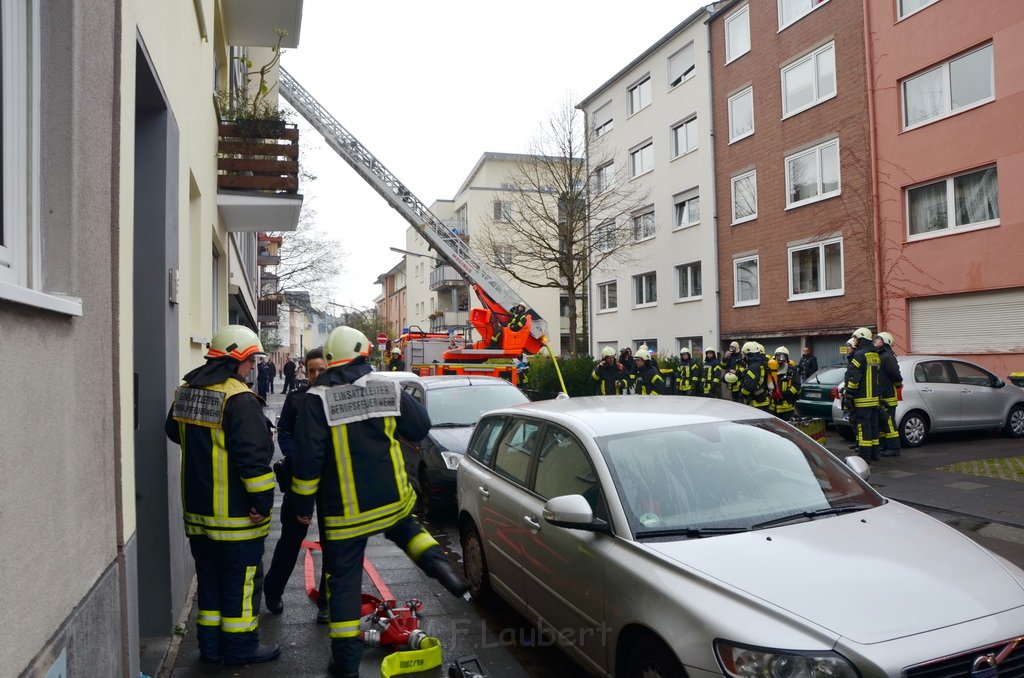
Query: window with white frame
{"x": 643, "y": 225}
{"x": 641, "y": 159}
{"x": 684, "y": 137}
{"x": 737, "y": 34}
{"x": 813, "y": 174}
{"x": 687, "y": 208}
{"x": 968, "y": 200}
{"x": 816, "y": 270}
{"x": 608, "y": 296}
{"x": 603, "y": 121}
{"x": 502, "y": 211}
{"x": 746, "y": 282}
{"x": 951, "y": 87}
{"x": 695, "y": 344}
{"x": 809, "y": 80}
{"x": 791, "y": 11}
{"x": 741, "y": 115}
{"x": 504, "y": 254}
{"x": 604, "y": 236}
{"x": 651, "y": 344}
{"x": 908, "y": 7}
{"x": 681, "y": 65}
{"x": 744, "y": 197}
{"x": 688, "y": 281}
{"x": 645, "y": 288}
{"x": 603, "y": 177}
{"x": 640, "y": 95}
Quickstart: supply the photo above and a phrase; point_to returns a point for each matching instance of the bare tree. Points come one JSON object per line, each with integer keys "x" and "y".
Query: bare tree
{"x": 565, "y": 217}
{"x": 309, "y": 260}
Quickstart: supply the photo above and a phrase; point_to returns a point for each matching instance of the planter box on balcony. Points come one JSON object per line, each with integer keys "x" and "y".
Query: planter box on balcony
{"x": 260, "y": 155}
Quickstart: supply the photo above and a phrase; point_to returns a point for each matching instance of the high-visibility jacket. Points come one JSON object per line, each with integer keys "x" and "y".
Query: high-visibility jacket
{"x": 862, "y": 377}
{"x": 225, "y": 460}
{"x": 649, "y": 380}
{"x": 753, "y": 383}
{"x": 889, "y": 377}
{"x": 711, "y": 378}
{"x": 687, "y": 377}
{"x": 347, "y": 449}
{"x": 737, "y": 365}
{"x": 606, "y": 375}
{"x": 787, "y": 390}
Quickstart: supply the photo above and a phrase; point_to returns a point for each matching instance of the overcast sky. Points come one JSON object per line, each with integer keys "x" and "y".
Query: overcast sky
{"x": 428, "y": 87}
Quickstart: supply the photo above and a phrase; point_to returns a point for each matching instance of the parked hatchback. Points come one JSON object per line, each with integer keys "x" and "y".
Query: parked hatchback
{"x": 948, "y": 394}
{"x": 818, "y": 391}
{"x": 692, "y": 537}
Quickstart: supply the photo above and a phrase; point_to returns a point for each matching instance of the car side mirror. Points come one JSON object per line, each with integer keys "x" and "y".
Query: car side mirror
{"x": 574, "y": 512}
{"x": 859, "y": 466}
{"x": 998, "y": 383}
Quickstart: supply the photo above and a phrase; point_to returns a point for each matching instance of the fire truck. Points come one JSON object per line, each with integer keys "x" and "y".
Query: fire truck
{"x": 426, "y": 352}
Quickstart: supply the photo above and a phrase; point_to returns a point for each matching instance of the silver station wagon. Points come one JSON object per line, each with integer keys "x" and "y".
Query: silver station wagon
{"x": 685, "y": 536}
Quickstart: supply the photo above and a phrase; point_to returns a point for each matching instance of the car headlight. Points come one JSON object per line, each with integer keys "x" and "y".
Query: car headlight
{"x": 451, "y": 460}
{"x": 743, "y": 661}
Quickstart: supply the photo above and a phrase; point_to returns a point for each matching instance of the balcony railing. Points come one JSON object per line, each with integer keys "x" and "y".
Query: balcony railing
{"x": 258, "y": 155}
{"x": 267, "y": 311}
{"x": 448, "y": 320}
{"x": 445, "y": 276}
{"x": 264, "y": 259}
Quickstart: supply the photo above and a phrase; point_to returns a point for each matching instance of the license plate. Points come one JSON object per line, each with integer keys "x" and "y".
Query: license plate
{"x": 812, "y": 395}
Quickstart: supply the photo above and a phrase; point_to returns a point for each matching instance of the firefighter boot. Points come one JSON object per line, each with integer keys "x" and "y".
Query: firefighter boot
{"x": 346, "y": 653}
{"x": 260, "y": 655}
{"x": 434, "y": 563}
{"x": 208, "y": 639}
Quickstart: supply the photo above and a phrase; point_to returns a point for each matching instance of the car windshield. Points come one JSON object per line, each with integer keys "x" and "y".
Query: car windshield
{"x": 716, "y": 477}
{"x": 828, "y": 375}
{"x": 463, "y": 405}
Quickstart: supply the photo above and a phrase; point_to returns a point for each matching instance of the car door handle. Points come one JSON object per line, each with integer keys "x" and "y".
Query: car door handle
{"x": 966, "y": 390}
{"x": 484, "y": 492}
{"x": 532, "y": 522}
{"x": 926, "y": 390}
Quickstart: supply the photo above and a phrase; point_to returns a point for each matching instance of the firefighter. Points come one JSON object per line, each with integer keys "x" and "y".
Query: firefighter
{"x": 648, "y": 379}
{"x": 890, "y": 382}
{"x": 628, "y": 363}
{"x": 860, "y": 395}
{"x": 754, "y": 380}
{"x": 347, "y": 456}
{"x": 396, "y": 364}
{"x": 608, "y": 373}
{"x": 732, "y": 363}
{"x": 687, "y": 374}
{"x": 517, "y": 320}
{"x": 786, "y": 385}
{"x": 711, "y": 375}
{"x": 227, "y": 491}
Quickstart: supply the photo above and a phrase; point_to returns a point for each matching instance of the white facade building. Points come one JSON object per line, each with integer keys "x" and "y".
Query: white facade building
{"x": 652, "y": 120}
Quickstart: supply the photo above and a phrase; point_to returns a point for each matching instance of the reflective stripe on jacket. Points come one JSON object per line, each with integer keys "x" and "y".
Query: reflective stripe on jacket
{"x": 862, "y": 377}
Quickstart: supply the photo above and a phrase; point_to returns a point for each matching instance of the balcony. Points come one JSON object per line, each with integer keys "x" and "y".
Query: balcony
{"x": 258, "y": 176}
{"x": 265, "y": 259}
{"x": 447, "y": 320}
{"x": 267, "y": 312}
{"x": 445, "y": 276}
{"x": 249, "y": 22}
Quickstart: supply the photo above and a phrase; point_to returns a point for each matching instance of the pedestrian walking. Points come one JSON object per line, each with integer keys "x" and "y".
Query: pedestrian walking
{"x": 346, "y": 456}
{"x": 289, "y": 374}
{"x": 890, "y": 383}
{"x": 860, "y": 395}
{"x": 227, "y": 492}
{"x": 273, "y": 373}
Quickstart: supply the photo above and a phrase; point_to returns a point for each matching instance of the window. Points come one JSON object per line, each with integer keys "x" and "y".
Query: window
{"x": 512, "y": 457}
{"x": 645, "y": 287}
{"x": 809, "y": 80}
{"x": 604, "y": 237}
{"x": 816, "y": 270}
{"x": 792, "y": 10}
{"x": 684, "y": 137}
{"x": 564, "y": 468}
{"x": 603, "y": 177}
{"x": 962, "y": 201}
{"x": 688, "y": 279}
{"x": 651, "y": 344}
{"x": 687, "y": 208}
{"x": 746, "y": 282}
{"x": 908, "y": 7}
{"x": 641, "y": 160}
{"x": 681, "y": 65}
{"x": 608, "y": 296}
{"x": 695, "y": 344}
{"x": 741, "y": 115}
{"x": 640, "y": 95}
{"x": 744, "y": 197}
{"x": 603, "y": 121}
{"x": 482, "y": 445}
{"x": 502, "y": 211}
{"x": 643, "y": 226}
{"x": 954, "y": 86}
{"x": 737, "y": 34}
{"x": 813, "y": 174}
{"x": 504, "y": 254}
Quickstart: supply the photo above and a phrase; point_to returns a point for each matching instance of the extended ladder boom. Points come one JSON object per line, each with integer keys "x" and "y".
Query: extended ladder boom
{"x": 447, "y": 244}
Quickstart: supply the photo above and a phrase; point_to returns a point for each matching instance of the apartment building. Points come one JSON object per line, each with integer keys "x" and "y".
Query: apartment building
{"x": 650, "y": 144}
{"x": 122, "y": 247}
{"x": 392, "y": 306}
{"x": 792, "y": 144}
{"x": 947, "y": 91}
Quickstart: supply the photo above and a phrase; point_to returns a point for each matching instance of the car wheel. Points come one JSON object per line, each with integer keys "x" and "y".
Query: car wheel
{"x": 474, "y": 564}
{"x": 913, "y": 429}
{"x": 845, "y": 432}
{"x": 424, "y": 504}
{"x": 649, "y": 657}
{"x": 1015, "y": 422}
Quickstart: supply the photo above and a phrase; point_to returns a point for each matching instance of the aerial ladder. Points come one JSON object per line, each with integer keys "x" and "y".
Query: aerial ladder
{"x": 497, "y": 297}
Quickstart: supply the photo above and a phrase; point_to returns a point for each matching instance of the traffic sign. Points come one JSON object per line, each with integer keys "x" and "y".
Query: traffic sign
{"x": 382, "y": 338}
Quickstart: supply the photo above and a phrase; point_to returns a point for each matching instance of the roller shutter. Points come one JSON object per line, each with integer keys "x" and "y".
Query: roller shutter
{"x": 981, "y": 322}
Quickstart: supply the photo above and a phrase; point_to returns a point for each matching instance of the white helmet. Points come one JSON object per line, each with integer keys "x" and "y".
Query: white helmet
{"x": 862, "y": 333}
{"x": 396, "y": 351}
{"x": 642, "y": 353}
{"x": 237, "y": 342}
{"x": 752, "y": 347}
{"x": 885, "y": 337}
{"x": 783, "y": 350}
{"x": 344, "y": 345}
{"x": 684, "y": 349}
{"x": 731, "y": 377}
{"x": 607, "y": 352}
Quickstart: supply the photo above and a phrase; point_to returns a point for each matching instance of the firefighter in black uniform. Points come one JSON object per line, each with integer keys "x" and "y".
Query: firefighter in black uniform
{"x": 687, "y": 374}
{"x": 711, "y": 375}
{"x": 648, "y": 378}
{"x": 732, "y": 363}
{"x": 860, "y": 395}
{"x": 754, "y": 380}
{"x": 347, "y": 455}
{"x": 227, "y": 491}
{"x": 607, "y": 373}
{"x": 396, "y": 364}
{"x": 890, "y": 381}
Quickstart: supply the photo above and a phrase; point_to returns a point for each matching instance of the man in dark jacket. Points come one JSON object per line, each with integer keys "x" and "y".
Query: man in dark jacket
{"x": 227, "y": 491}
{"x": 754, "y": 380}
{"x": 711, "y": 375}
{"x": 732, "y": 363}
{"x": 607, "y": 373}
{"x": 347, "y": 457}
{"x": 396, "y": 364}
{"x": 890, "y": 381}
{"x": 808, "y": 364}
{"x": 860, "y": 395}
{"x": 289, "y": 375}
{"x": 687, "y": 374}
{"x": 628, "y": 369}
{"x": 648, "y": 378}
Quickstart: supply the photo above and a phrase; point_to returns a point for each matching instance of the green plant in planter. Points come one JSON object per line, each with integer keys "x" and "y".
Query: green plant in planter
{"x": 250, "y": 106}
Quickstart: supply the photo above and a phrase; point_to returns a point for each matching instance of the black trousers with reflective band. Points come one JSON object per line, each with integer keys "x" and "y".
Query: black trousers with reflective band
{"x": 286, "y": 551}
{"x": 229, "y": 576}
{"x": 865, "y": 429}
{"x": 889, "y": 435}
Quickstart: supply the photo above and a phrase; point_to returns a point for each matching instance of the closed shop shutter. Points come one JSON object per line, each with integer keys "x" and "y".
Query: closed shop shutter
{"x": 982, "y": 322}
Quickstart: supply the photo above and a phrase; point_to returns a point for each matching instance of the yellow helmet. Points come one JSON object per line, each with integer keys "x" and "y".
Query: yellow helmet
{"x": 344, "y": 345}
{"x": 752, "y": 347}
{"x": 862, "y": 333}
{"x": 607, "y": 352}
{"x": 885, "y": 337}
{"x": 237, "y": 342}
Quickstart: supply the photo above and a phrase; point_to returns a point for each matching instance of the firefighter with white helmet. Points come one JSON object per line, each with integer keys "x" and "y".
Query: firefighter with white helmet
{"x": 608, "y": 373}
{"x": 754, "y": 380}
{"x": 648, "y": 378}
{"x": 786, "y": 385}
{"x": 711, "y": 375}
{"x": 396, "y": 364}
{"x": 860, "y": 395}
{"x": 687, "y": 374}
{"x": 890, "y": 383}
{"x": 227, "y": 491}
{"x": 347, "y": 434}
{"x": 733, "y": 364}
